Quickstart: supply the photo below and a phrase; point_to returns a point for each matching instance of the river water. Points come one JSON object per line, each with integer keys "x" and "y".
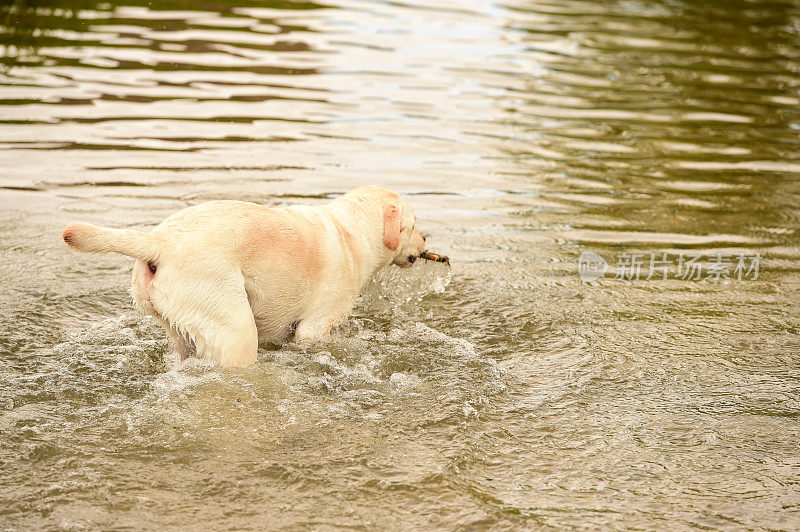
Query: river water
{"x": 504, "y": 393}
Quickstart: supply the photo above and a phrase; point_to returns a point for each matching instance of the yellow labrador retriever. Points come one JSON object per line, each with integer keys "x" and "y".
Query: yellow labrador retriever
{"x": 223, "y": 275}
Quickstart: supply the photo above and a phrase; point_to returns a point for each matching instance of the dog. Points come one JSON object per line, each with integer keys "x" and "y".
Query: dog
{"x": 223, "y": 276}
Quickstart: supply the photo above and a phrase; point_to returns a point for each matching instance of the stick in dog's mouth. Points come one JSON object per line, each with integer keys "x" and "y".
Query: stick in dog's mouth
{"x": 427, "y": 255}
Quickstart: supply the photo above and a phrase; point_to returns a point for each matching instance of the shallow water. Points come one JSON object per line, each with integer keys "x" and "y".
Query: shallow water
{"x": 505, "y": 393}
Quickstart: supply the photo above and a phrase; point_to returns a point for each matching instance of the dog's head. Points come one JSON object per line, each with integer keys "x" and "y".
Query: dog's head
{"x": 399, "y": 234}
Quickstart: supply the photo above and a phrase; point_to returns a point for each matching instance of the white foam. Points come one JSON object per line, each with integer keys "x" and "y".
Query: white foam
{"x": 402, "y": 285}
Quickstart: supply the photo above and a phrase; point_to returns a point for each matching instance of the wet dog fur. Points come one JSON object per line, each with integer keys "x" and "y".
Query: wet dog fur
{"x": 223, "y": 276}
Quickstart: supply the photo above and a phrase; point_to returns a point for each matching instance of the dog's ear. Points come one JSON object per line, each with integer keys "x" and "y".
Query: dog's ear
{"x": 391, "y": 227}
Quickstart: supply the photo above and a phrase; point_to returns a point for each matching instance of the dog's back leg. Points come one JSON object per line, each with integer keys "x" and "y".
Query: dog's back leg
{"x": 238, "y": 344}
{"x": 210, "y": 307}
{"x": 182, "y": 346}
{"x": 232, "y": 337}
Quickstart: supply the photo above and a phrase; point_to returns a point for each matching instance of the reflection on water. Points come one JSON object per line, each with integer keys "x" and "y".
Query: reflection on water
{"x": 28, "y": 25}
{"x": 504, "y": 394}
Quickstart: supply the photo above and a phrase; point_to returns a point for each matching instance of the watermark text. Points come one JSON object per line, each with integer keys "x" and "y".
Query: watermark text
{"x": 712, "y": 267}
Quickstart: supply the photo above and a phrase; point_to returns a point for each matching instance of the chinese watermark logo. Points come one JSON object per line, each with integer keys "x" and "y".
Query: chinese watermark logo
{"x": 591, "y": 266}
{"x": 662, "y": 266}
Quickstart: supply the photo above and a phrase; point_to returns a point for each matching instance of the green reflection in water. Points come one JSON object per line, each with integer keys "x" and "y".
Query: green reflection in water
{"x": 26, "y": 26}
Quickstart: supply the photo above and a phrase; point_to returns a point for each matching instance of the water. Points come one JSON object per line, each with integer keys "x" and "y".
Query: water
{"x": 504, "y": 394}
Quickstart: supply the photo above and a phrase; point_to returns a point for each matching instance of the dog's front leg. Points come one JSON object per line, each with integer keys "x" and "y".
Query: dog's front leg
{"x": 309, "y": 331}
{"x": 317, "y": 327}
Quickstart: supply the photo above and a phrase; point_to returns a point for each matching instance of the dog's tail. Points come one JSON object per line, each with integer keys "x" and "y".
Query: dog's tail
{"x": 90, "y": 238}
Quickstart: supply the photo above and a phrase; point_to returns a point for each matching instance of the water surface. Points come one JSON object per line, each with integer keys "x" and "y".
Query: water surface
{"x": 503, "y": 394}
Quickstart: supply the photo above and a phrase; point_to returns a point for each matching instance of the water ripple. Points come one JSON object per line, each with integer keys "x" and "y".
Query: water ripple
{"x": 503, "y": 393}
